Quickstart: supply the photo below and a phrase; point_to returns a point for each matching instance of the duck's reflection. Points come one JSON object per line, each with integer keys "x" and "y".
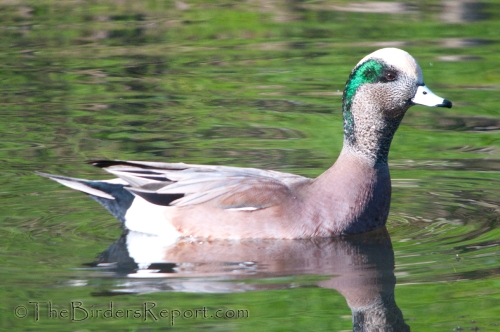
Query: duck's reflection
{"x": 360, "y": 267}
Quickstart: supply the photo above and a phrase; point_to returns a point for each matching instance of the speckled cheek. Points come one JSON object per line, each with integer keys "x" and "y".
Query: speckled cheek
{"x": 397, "y": 97}
{"x": 370, "y": 98}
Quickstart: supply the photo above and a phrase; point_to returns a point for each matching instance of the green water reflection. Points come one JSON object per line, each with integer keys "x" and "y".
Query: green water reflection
{"x": 258, "y": 84}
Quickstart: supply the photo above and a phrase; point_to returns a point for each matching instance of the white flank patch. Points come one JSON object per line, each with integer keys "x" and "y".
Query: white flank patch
{"x": 149, "y": 218}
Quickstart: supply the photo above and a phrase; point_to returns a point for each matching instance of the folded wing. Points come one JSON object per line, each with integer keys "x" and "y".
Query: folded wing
{"x": 229, "y": 188}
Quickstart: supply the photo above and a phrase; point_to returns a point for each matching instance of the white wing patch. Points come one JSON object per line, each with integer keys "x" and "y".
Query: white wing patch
{"x": 246, "y": 208}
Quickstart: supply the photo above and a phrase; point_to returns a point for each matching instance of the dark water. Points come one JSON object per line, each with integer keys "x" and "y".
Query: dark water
{"x": 258, "y": 84}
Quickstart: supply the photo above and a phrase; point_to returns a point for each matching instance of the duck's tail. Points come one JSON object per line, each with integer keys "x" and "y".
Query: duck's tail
{"x": 110, "y": 194}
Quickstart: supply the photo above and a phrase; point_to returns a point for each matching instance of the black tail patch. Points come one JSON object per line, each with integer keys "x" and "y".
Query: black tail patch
{"x": 113, "y": 196}
{"x": 117, "y": 207}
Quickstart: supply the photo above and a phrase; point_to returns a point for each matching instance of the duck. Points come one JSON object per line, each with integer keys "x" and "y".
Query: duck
{"x": 178, "y": 200}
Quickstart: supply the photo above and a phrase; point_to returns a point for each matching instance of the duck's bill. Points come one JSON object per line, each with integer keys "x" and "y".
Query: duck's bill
{"x": 426, "y": 97}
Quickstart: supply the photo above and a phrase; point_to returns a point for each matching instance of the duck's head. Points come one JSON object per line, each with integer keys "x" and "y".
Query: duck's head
{"x": 379, "y": 91}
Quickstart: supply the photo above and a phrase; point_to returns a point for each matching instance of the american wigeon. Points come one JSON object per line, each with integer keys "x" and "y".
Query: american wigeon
{"x": 352, "y": 196}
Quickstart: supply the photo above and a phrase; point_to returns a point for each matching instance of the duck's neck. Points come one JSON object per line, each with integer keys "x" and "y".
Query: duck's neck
{"x": 368, "y": 132}
{"x": 353, "y": 196}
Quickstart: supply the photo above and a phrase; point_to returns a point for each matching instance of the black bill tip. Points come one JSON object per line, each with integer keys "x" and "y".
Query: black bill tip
{"x": 446, "y": 103}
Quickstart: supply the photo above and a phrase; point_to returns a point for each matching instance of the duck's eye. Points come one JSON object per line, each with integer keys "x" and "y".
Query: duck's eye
{"x": 390, "y": 76}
